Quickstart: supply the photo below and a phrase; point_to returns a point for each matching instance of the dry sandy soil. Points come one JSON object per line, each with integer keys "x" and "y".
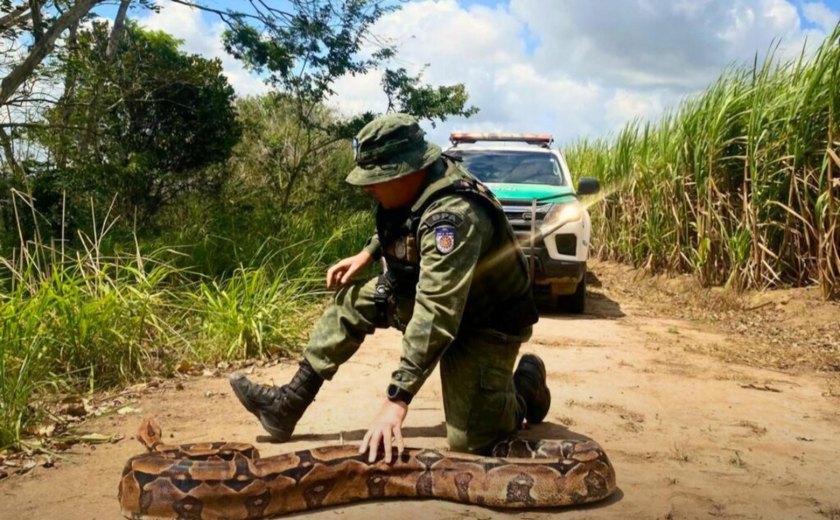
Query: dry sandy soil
{"x": 693, "y": 424}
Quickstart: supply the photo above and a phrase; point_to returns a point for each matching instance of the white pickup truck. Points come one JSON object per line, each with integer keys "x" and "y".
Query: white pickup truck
{"x": 534, "y": 185}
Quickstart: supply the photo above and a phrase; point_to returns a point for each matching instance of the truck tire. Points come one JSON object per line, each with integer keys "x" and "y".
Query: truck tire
{"x": 575, "y": 303}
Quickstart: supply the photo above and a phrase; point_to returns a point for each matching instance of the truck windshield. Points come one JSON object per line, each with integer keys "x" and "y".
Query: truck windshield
{"x": 515, "y": 167}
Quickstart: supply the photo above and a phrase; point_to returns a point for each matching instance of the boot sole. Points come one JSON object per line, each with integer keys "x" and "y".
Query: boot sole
{"x": 233, "y": 380}
{"x": 277, "y": 435}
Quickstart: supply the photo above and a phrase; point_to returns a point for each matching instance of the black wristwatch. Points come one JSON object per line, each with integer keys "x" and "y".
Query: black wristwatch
{"x": 396, "y": 393}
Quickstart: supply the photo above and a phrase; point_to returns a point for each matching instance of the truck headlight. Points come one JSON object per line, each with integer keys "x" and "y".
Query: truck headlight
{"x": 561, "y": 214}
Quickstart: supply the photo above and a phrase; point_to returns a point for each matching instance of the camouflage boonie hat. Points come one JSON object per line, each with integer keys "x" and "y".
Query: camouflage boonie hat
{"x": 390, "y": 147}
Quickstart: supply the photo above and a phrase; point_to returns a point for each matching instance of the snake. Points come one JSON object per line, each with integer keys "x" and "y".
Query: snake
{"x": 229, "y": 480}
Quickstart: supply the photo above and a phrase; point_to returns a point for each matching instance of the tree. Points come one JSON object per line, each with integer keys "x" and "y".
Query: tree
{"x": 301, "y": 46}
{"x": 31, "y": 31}
{"x": 165, "y": 117}
{"x": 44, "y": 31}
{"x": 262, "y": 159}
{"x": 406, "y": 94}
{"x": 304, "y": 50}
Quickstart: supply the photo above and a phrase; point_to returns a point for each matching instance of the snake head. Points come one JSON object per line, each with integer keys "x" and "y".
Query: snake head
{"x": 149, "y": 434}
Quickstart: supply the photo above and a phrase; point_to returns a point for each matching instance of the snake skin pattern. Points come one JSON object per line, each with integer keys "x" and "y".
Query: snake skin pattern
{"x": 224, "y": 480}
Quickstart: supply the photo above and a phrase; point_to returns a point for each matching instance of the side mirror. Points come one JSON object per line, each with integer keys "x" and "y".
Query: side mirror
{"x": 588, "y": 186}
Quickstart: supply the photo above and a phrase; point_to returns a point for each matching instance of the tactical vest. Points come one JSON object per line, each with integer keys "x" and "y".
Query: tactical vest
{"x": 399, "y": 241}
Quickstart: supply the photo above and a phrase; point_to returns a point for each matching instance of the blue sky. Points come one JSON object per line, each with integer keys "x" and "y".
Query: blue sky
{"x": 573, "y": 68}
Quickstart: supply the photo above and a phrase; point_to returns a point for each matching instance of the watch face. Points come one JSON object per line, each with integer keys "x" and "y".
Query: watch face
{"x": 396, "y": 393}
{"x": 399, "y": 249}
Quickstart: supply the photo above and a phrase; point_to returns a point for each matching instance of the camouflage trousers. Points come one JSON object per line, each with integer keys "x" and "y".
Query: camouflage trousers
{"x": 476, "y": 370}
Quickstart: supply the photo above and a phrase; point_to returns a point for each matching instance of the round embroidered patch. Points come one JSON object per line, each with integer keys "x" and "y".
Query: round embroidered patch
{"x": 445, "y": 239}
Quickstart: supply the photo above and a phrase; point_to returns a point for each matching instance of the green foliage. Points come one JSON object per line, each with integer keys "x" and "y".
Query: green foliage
{"x": 739, "y": 185}
{"x": 22, "y": 370}
{"x": 252, "y": 313}
{"x": 219, "y": 238}
{"x": 304, "y": 49}
{"x": 82, "y": 320}
{"x": 146, "y": 125}
{"x": 406, "y": 94}
{"x": 289, "y": 162}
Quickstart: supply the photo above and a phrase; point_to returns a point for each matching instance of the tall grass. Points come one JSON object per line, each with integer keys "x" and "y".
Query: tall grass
{"x": 80, "y": 320}
{"x": 83, "y": 322}
{"x": 739, "y": 185}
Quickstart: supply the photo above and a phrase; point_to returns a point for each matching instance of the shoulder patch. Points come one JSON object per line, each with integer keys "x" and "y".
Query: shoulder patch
{"x": 445, "y": 239}
{"x": 443, "y": 217}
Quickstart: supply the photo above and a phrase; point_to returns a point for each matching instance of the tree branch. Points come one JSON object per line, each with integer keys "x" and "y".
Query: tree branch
{"x": 37, "y": 20}
{"x": 24, "y": 69}
{"x": 224, "y": 15}
{"x": 39, "y": 125}
{"x": 15, "y": 16}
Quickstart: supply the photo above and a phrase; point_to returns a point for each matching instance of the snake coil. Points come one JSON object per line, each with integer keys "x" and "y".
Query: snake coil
{"x": 229, "y": 480}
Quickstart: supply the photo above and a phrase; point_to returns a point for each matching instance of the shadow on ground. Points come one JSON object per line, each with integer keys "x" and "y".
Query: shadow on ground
{"x": 598, "y": 305}
{"x": 357, "y": 435}
{"x": 546, "y": 430}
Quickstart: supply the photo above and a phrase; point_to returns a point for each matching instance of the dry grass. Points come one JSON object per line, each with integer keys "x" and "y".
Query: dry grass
{"x": 739, "y": 185}
{"x": 788, "y": 329}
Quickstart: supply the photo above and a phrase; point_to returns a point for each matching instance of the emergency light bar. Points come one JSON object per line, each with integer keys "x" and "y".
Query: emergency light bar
{"x": 471, "y": 137}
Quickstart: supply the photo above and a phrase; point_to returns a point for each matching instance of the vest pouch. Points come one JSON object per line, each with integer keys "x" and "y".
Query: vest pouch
{"x": 402, "y": 278}
{"x": 512, "y": 317}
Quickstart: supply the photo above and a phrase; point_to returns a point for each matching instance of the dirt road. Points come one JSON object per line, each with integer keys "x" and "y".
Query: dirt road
{"x": 690, "y": 435}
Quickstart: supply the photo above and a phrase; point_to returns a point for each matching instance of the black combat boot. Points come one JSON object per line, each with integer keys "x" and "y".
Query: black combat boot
{"x": 529, "y": 380}
{"x": 279, "y": 408}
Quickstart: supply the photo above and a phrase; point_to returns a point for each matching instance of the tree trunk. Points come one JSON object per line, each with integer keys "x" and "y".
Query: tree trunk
{"x": 9, "y": 153}
{"x": 92, "y": 119}
{"x": 36, "y": 55}
{"x": 67, "y": 98}
{"x": 117, "y": 31}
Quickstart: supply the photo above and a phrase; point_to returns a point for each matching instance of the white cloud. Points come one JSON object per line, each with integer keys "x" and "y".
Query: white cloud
{"x": 821, "y": 15}
{"x": 625, "y": 106}
{"x": 482, "y": 48}
{"x": 358, "y": 94}
{"x": 586, "y": 67}
{"x": 569, "y": 67}
{"x": 657, "y": 43}
{"x": 204, "y": 39}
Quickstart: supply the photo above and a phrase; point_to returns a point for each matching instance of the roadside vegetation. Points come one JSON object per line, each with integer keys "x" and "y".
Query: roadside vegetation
{"x": 91, "y": 318}
{"x": 149, "y": 219}
{"x": 739, "y": 185}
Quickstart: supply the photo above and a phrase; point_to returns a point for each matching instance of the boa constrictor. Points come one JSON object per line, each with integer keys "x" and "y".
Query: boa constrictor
{"x": 227, "y": 480}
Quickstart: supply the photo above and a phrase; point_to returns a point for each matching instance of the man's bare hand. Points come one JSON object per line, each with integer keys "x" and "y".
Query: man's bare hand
{"x": 344, "y": 271}
{"x": 386, "y": 428}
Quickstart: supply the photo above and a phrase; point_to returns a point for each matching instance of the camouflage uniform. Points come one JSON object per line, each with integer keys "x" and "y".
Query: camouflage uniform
{"x": 456, "y": 285}
{"x": 451, "y": 307}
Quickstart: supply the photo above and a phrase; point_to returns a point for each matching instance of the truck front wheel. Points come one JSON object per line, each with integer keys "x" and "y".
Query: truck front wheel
{"x": 575, "y": 303}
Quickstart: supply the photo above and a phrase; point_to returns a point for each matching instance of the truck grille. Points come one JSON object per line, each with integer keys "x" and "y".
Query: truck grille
{"x": 518, "y": 213}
